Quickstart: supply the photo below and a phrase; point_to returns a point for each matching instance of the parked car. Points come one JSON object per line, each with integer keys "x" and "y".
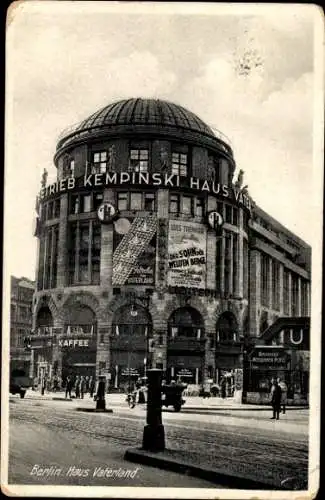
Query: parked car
{"x": 172, "y": 396}
{"x": 19, "y": 382}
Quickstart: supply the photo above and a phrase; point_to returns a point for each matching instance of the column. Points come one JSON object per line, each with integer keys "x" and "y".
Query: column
{"x": 106, "y": 252}
{"x": 62, "y": 270}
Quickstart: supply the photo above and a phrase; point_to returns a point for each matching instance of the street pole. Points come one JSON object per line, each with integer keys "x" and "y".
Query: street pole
{"x": 154, "y": 432}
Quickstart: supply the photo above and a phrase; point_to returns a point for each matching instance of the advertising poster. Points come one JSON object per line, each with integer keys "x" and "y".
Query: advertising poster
{"x": 186, "y": 254}
{"x": 134, "y": 251}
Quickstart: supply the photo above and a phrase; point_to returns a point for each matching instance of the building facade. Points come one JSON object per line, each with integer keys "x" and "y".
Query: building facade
{"x": 151, "y": 253}
{"x": 21, "y": 301}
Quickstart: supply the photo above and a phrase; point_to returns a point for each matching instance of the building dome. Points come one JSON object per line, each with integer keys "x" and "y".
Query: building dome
{"x": 139, "y": 115}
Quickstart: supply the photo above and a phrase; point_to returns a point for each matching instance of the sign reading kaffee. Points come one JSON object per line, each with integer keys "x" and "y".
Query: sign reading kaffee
{"x": 73, "y": 342}
{"x": 147, "y": 179}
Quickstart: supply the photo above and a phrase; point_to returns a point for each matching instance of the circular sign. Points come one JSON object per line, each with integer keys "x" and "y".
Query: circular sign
{"x": 106, "y": 212}
{"x": 215, "y": 220}
{"x": 122, "y": 225}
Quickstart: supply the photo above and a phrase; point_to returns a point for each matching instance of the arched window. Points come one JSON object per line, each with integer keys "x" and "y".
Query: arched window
{"x": 227, "y": 328}
{"x": 186, "y": 322}
{"x": 132, "y": 320}
{"x": 44, "y": 321}
{"x": 80, "y": 318}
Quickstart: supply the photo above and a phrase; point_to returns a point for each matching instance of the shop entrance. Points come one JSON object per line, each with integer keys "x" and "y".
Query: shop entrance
{"x": 185, "y": 348}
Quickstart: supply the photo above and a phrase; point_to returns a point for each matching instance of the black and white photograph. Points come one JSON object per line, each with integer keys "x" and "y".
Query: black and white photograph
{"x": 162, "y": 255}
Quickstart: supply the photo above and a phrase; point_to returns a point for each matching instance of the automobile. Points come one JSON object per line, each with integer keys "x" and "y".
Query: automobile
{"x": 172, "y": 396}
{"x": 19, "y": 382}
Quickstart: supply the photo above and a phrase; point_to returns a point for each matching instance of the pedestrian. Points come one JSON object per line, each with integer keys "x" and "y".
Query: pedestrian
{"x": 82, "y": 386}
{"x": 276, "y": 399}
{"x": 87, "y": 384}
{"x": 92, "y": 384}
{"x": 284, "y": 395}
{"x": 43, "y": 385}
{"x": 55, "y": 383}
{"x": 68, "y": 387}
{"x": 100, "y": 395}
{"x": 77, "y": 387}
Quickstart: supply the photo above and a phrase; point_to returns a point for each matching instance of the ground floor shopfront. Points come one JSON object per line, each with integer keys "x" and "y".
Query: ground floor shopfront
{"x": 83, "y": 333}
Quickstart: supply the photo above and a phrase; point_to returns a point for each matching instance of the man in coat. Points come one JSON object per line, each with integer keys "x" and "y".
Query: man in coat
{"x": 276, "y": 394}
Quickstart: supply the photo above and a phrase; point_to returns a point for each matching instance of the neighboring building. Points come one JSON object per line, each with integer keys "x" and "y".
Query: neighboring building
{"x": 22, "y": 290}
{"x": 136, "y": 267}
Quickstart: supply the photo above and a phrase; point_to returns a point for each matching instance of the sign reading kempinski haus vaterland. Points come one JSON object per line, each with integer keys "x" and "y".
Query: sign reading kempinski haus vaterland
{"x": 140, "y": 179}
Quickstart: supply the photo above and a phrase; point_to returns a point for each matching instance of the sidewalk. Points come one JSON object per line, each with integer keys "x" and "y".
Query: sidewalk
{"x": 191, "y": 402}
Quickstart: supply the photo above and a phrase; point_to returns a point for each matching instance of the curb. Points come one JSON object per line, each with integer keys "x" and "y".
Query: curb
{"x": 61, "y": 399}
{"x": 189, "y": 409}
{"x": 219, "y": 477}
{"x": 94, "y": 410}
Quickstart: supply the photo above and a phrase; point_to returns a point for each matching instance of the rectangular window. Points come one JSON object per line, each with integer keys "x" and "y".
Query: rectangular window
{"x": 235, "y": 216}
{"x": 304, "y": 298}
{"x": 187, "y": 205}
{"x": 218, "y": 264}
{"x": 245, "y": 267}
{"x": 122, "y": 201}
{"x": 234, "y": 262}
{"x": 149, "y": 202}
{"x": 50, "y": 210}
{"x": 264, "y": 280}
{"x": 135, "y": 201}
{"x": 199, "y": 207}
{"x": 220, "y": 208}
{"x": 286, "y": 291}
{"x": 85, "y": 203}
{"x": 228, "y": 214}
{"x": 98, "y": 200}
{"x": 72, "y": 166}
{"x": 294, "y": 296}
{"x": 74, "y": 204}
{"x": 100, "y": 161}
{"x": 275, "y": 285}
{"x": 228, "y": 259}
{"x": 57, "y": 208}
{"x": 139, "y": 160}
{"x": 179, "y": 164}
{"x": 95, "y": 253}
{"x": 174, "y": 204}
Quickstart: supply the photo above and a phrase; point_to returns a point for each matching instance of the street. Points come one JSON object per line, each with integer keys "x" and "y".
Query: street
{"x": 78, "y": 447}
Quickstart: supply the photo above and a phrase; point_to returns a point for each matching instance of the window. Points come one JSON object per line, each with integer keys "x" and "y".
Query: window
{"x": 264, "y": 280}
{"x": 304, "y": 298}
{"x": 139, "y": 160}
{"x": 74, "y": 204}
{"x": 98, "y": 200}
{"x": 295, "y": 295}
{"x": 72, "y": 166}
{"x": 174, "y": 203}
{"x": 234, "y": 262}
{"x": 100, "y": 161}
{"x": 286, "y": 291}
{"x": 228, "y": 259}
{"x": 187, "y": 205}
{"x": 50, "y": 210}
{"x": 122, "y": 201}
{"x": 56, "y": 213}
{"x": 228, "y": 214}
{"x": 275, "y": 284}
{"x": 47, "y": 277}
{"x": 245, "y": 267}
{"x": 85, "y": 203}
{"x": 234, "y": 216}
{"x": 179, "y": 164}
{"x": 199, "y": 207}
{"x": 149, "y": 202}
{"x": 84, "y": 252}
{"x": 135, "y": 201}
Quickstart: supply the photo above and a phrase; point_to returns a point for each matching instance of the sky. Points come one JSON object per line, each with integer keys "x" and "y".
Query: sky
{"x": 248, "y": 71}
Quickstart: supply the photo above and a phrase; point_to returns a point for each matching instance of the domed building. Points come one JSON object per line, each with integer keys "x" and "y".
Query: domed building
{"x": 147, "y": 252}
